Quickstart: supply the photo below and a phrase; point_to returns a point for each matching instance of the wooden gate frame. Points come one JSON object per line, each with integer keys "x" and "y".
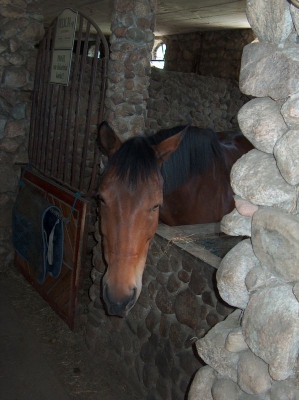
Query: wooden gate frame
{"x": 50, "y": 140}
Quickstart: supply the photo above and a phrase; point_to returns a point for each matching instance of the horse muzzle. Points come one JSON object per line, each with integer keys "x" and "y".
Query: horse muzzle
{"x": 121, "y": 307}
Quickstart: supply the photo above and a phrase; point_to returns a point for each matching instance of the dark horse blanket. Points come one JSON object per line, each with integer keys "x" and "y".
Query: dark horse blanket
{"x": 38, "y": 233}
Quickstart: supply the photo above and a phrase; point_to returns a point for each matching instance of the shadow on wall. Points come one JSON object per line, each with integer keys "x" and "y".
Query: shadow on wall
{"x": 215, "y": 54}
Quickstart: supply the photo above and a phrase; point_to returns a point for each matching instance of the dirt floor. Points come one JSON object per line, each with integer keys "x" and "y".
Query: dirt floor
{"x": 65, "y": 351}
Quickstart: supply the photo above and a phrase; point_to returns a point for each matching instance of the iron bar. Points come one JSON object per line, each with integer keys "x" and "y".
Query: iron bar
{"x": 67, "y": 178}
{"x": 61, "y": 145}
{"x": 44, "y": 76}
{"x": 47, "y": 111}
{"x": 37, "y": 105}
{"x": 90, "y": 104}
{"x": 81, "y": 78}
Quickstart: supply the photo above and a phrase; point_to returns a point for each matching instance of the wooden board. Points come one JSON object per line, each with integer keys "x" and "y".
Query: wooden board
{"x": 62, "y": 293}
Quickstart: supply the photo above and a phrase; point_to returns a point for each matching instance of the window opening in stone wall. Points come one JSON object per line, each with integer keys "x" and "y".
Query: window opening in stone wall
{"x": 91, "y": 51}
{"x": 158, "y": 60}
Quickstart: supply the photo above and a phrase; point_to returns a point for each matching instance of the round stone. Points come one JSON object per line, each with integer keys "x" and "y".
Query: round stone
{"x": 186, "y": 308}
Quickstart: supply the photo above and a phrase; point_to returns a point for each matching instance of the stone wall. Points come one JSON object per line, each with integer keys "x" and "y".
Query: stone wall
{"x": 178, "y": 98}
{"x": 215, "y": 53}
{"x": 21, "y": 28}
{"x": 153, "y": 345}
{"x": 253, "y": 354}
{"x": 131, "y": 43}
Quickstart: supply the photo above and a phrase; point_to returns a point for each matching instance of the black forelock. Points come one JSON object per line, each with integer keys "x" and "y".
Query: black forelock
{"x": 135, "y": 160}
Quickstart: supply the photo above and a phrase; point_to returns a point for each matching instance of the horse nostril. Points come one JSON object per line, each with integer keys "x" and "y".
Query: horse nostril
{"x": 121, "y": 307}
{"x": 132, "y": 300}
{"x": 106, "y": 294}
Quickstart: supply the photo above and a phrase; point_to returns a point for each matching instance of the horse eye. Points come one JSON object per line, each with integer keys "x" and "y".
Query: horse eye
{"x": 101, "y": 199}
{"x": 156, "y": 207}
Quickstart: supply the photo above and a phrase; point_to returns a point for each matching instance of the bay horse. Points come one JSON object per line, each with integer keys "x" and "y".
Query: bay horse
{"x": 180, "y": 176}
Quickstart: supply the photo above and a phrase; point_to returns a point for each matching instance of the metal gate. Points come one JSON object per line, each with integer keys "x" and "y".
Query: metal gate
{"x": 64, "y": 119}
{"x": 63, "y": 152}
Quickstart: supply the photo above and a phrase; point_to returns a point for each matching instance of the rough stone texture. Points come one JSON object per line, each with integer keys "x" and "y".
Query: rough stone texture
{"x": 286, "y": 155}
{"x": 235, "y": 341}
{"x": 155, "y": 342}
{"x": 295, "y": 16}
{"x": 253, "y": 375}
{"x": 198, "y": 52}
{"x": 271, "y": 328}
{"x": 129, "y": 66}
{"x": 235, "y": 224}
{"x": 186, "y": 308}
{"x": 224, "y": 389}
{"x": 269, "y": 71}
{"x": 21, "y": 29}
{"x": 261, "y": 122}
{"x": 259, "y": 277}
{"x": 275, "y": 237}
{"x": 211, "y": 348}
{"x": 232, "y": 273}
{"x": 296, "y": 290}
{"x": 268, "y": 369}
{"x": 270, "y": 23}
{"x": 177, "y": 98}
{"x": 244, "y": 207}
{"x": 290, "y": 111}
{"x": 255, "y": 177}
{"x": 10, "y": 183}
{"x": 202, "y": 384}
{"x": 286, "y": 390}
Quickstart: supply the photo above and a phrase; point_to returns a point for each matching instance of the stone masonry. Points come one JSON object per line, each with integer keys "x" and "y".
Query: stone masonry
{"x": 253, "y": 354}
{"x": 21, "y": 28}
{"x": 215, "y": 53}
{"x": 132, "y": 39}
{"x": 177, "y": 98}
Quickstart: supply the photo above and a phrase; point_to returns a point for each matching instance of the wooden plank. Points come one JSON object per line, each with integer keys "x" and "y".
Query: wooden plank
{"x": 62, "y": 293}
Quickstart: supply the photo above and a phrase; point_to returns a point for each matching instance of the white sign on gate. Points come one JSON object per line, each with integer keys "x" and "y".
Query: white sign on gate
{"x": 60, "y": 67}
{"x": 63, "y": 47}
{"x": 65, "y": 29}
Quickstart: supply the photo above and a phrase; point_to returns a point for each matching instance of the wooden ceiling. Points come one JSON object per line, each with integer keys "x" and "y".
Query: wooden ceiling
{"x": 173, "y": 16}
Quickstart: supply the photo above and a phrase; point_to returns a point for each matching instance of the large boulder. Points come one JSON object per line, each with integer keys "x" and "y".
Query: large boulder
{"x": 275, "y": 238}
{"x": 232, "y": 273}
{"x": 212, "y": 350}
{"x": 290, "y": 111}
{"x": 256, "y": 178}
{"x": 202, "y": 384}
{"x": 224, "y": 389}
{"x": 286, "y": 152}
{"x": 271, "y": 329}
{"x": 270, "y": 22}
{"x": 295, "y": 16}
{"x": 270, "y": 71}
{"x": 235, "y": 224}
{"x": 262, "y": 123}
{"x": 253, "y": 375}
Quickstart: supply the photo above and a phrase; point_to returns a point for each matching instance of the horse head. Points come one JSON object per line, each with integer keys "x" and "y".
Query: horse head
{"x": 130, "y": 192}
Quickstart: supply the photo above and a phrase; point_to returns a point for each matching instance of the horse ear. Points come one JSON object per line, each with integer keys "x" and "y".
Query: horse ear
{"x": 107, "y": 139}
{"x": 164, "y": 149}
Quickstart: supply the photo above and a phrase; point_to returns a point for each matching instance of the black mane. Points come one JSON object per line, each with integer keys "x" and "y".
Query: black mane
{"x": 135, "y": 160}
{"x": 199, "y": 150}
